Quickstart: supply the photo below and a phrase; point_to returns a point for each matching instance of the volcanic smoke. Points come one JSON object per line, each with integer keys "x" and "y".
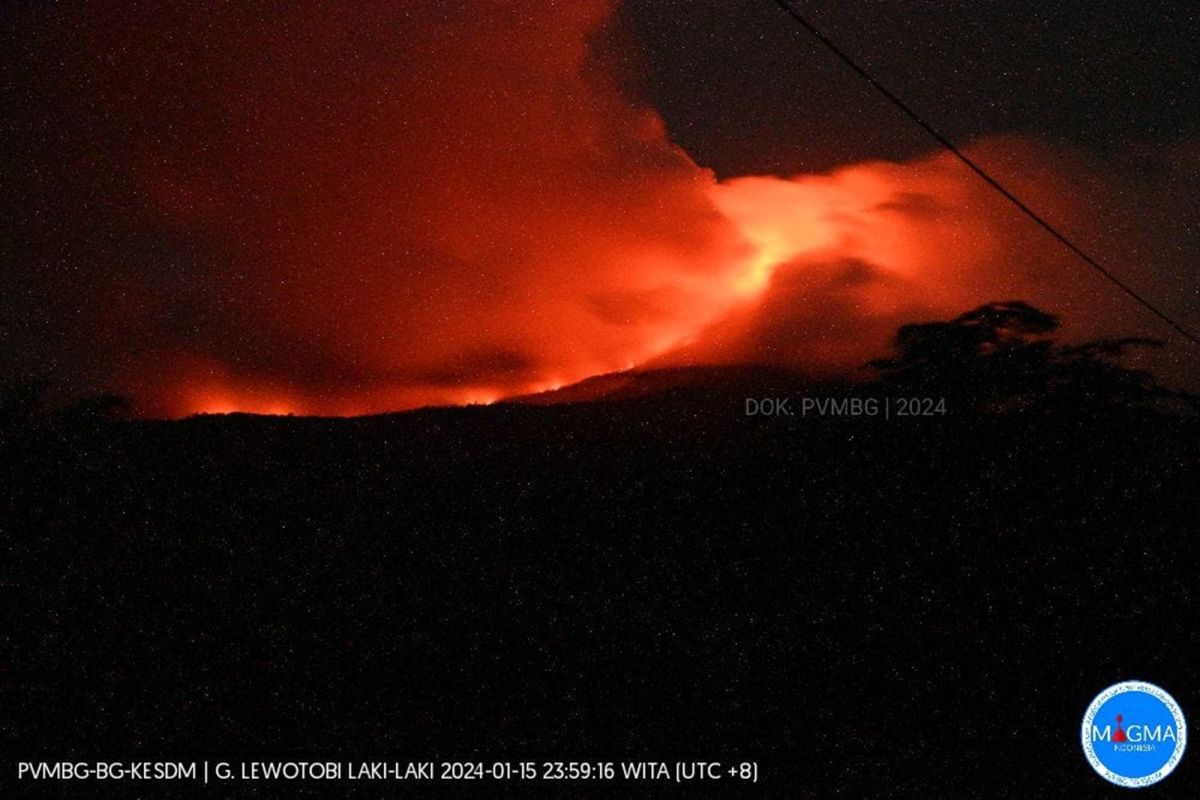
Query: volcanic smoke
{"x": 357, "y": 210}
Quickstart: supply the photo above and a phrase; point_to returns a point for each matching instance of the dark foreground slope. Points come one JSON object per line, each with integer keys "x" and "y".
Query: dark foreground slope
{"x": 868, "y": 607}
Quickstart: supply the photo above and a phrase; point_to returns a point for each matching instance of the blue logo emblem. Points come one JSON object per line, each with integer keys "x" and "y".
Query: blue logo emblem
{"x": 1134, "y": 734}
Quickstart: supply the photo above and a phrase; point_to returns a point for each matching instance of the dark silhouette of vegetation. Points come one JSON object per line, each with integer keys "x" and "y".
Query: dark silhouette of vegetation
{"x": 28, "y": 407}
{"x": 1002, "y": 357}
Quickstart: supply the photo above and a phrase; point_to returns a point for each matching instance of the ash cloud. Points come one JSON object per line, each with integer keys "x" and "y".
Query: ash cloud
{"x": 348, "y": 207}
{"x": 356, "y": 208}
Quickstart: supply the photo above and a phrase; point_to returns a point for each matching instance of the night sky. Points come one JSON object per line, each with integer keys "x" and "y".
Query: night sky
{"x": 353, "y": 208}
{"x": 1108, "y": 78}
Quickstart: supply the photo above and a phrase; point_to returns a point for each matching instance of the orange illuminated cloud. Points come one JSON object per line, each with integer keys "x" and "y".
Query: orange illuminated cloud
{"x": 841, "y": 260}
{"x": 399, "y": 206}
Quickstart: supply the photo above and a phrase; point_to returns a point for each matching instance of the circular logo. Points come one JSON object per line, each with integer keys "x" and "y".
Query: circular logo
{"x": 1134, "y": 734}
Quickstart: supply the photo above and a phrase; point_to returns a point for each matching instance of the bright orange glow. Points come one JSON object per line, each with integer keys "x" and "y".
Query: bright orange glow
{"x": 475, "y": 210}
{"x": 812, "y": 271}
{"x": 225, "y": 401}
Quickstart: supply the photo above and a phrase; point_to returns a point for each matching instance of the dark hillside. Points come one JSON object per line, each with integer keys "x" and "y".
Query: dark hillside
{"x": 840, "y": 598}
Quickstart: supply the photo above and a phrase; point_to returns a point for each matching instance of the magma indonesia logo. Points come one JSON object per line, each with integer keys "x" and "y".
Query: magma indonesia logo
{"x": 1134, "y": 734}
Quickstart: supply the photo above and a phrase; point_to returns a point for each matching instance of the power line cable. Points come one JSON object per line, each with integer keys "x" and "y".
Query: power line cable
{"x": 945, "y": 142}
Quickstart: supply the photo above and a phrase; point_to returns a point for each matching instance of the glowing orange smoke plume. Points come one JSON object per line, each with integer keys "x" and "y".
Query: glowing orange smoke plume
{"x": 813, "y": 272}
{"x": 441, "y": 207}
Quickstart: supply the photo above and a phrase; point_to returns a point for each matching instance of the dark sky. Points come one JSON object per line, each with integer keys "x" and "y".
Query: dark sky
{"x": 342, "y": 207}
{"x": 745, "y": 90}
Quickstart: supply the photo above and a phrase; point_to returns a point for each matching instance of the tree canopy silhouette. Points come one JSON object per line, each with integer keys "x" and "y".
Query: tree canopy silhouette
{"x": 1002, "y": 357}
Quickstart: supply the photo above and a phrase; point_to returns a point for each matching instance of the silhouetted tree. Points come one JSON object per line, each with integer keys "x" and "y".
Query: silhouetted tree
{"x": 1001, "y": 357}
{"x": 28, "y": 408}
